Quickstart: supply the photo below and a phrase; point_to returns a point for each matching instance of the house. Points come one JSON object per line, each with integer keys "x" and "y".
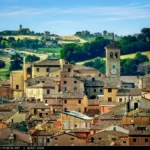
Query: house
{"x": 94, "y": 87}
{"x": 67, "y": 101}
{"x": 38, "y": 87}
{"x": 83, "y": 71}
{"x": 144, "y": 83}
{"x": 106, "y": 138}
{"x": 129, "y": 81}
{"x": 67, "y": 139}
{"x": 73, "y": 119}
{"x": 41, "y": 138}
{"x": 137, "y": 117}
{"x": 41, "y": 111}
{"x": 123, "y": 94}
{"x": 17, "y": 84}
{"x": 10, "y": 136}
{"x": 140, "y": 136}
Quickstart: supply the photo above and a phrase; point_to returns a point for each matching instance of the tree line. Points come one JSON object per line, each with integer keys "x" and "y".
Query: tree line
{"x": 11, "y": 42}
{"x": 128, "y": 45}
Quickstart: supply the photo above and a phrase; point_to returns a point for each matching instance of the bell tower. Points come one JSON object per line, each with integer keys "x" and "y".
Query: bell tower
{"x": 112, "y": 60}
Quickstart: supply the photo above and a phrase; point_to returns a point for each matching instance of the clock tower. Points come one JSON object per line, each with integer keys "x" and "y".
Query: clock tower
{"x": 112, "y": 60}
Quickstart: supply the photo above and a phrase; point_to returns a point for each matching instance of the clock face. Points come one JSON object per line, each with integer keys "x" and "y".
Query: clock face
{"x": 113, "y": 71}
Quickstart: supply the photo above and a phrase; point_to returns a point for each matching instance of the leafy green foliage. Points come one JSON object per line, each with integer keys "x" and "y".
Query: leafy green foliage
{"x": 2, "y": 64}
{"x": 128, "y": 66}
{"x": 98, "y": 64}
{"x": 16, "y": 62}
{"x": 31, "y": 58}
{"x": 74, "y": 52}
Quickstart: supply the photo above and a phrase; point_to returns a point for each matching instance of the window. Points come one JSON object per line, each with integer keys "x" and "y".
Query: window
{"x": 48, "y": 140}
{"x": 109, "y": 90}
{"x": 101, "y": 90}
{"x": 124, "y": 142}
{"x": 37, "y": 69}
{"x": 114, "y": 128}
{"x": 46, "y": 113}
{"x": 111, "y": 55}
{"x": 75, "y": 81}
{"x": 59, "y": 101}
{"x": 79, "y": 109}
{"x": 43, "y": 81}
{"x": 48, "y": 91}
{"x": 79, "y": 101}
{"x": 12, "y": 121}
{"x": 65, "y": 109}
{"x": 46, "y": 101}
{"x": 113, "y": 139}
{"x": 109, "y": 99}
{"x": 65, "y": 82}
{"x": 94, "y": 90}
{"x": 120, "y": 100}
{"x": 93, "y": 79}
{"x": 47, "y": 69}
{"x": 69, "y": 69}
{"x": 134, "y": 139}
{"x": 146, "y": 140}
{"x": 56, "y": 138}
{"x": 17, "y": 87}
{"x": 75, "y": 89}
{"x": 72, "y": 138}
{"x": 65, "y": 101}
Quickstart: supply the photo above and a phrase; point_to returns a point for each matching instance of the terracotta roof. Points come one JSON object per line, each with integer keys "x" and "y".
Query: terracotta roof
{"x": 80, "y": 130}
{"x": 130, "y": 79}
{"x": 6, "y": 115}
{"x": 41, "y": 105}
{"x": 48, "y": 62}
{"x": 66, "y": 95}
{"x": 131, "y": 92}
{"x": 42, "y": 85}
{"x": 92, "y": 112}
{"x": 112, "y": 83}
{"x": 43, "y": 133}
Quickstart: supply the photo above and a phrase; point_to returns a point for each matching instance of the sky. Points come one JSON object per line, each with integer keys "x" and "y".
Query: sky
{"x": 65, "y": 17}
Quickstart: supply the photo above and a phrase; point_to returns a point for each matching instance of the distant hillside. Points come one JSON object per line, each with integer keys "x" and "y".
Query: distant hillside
{"x": 122, "y": 57}
{"x": 22, "y": 37}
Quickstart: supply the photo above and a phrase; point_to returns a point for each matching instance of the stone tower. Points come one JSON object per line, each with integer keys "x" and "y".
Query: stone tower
{"x": 112, "y": 60}
{"x": 20, "y": 27}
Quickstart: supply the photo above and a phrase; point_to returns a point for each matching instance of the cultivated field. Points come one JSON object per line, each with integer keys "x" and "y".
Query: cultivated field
{"x": 23, "y": 36}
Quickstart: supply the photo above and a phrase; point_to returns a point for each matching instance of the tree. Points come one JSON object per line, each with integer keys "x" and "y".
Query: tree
{"x": 2, "y": 64}
{"x": 31, "y": 58}
{"x": 16, "y": 62}
{"x": 139, "y": 58}
{"x": 33, "y": 45}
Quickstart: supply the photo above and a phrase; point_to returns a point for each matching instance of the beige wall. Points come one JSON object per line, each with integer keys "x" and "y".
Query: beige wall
{"x": 16, "y": 78}
{"x": 42, "y": 71}
{"x": 37, "y": 93}
{"x": 111, "y": 94}
{"x": 67, "y": 140}
{"x": 125, "y": 98}
{"x": 17, "y": 94}
{"x": 17, "y": 117}
{"x": 69, "y": 122}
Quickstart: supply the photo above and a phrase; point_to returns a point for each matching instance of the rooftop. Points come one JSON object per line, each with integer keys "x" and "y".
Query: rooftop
{"x": 131, "y": 92}
{"x": 77, "y": 115}
{"x": 48, "y": 62}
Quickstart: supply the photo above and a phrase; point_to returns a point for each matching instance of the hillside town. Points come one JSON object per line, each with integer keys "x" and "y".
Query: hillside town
{"x": 53, "y": 102}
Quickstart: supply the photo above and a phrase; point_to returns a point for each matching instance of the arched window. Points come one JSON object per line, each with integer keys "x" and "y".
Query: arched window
{"x": 111, "y": 55}
{"x": 28, "y": 70}
{"x": 116, "y": 55}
